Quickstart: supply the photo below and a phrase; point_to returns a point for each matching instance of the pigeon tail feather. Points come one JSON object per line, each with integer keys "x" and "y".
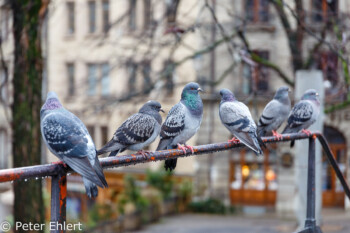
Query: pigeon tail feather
{"x": 110, "y": 146}
{"x": 116, "y": 152}
{"x": 82, "y": 166}
{"x": 99, "y": 171}
{"x": 91, "y": 188}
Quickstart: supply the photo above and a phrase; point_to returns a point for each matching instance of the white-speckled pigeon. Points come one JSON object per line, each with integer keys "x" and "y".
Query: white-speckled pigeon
{"x": 236, "y": 117}
{"x": 137, "y": 132}
{"x": 182, "y": 122}
{"x": 275, "y": 113}
{"x": 303, "y": 114}
{"x": 67, "y": 138}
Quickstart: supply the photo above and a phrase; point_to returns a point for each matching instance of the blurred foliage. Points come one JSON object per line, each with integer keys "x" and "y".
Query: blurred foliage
{"x": 212, "y": 206}
{"x": 184, "y": 191}
{"x": 161, "y": 180}
{"x": 100, "y": 212}
{"x": 132, "y": 194}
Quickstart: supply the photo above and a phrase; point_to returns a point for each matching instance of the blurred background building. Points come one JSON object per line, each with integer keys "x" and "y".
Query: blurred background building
{"x": 104, "y": 59}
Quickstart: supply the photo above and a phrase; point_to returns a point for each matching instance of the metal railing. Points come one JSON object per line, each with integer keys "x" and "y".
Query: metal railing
{"x": 59, "y": 173}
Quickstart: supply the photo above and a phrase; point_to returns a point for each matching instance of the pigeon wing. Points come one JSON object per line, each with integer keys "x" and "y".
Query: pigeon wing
{"x": 236, "y": 117}
{"x": 64, "y": 136}
{"x": 174, "y": 124}
{"x": 301, "y": 113}
{"x": 269, "y": 114}
{"x": 136, "y": 129}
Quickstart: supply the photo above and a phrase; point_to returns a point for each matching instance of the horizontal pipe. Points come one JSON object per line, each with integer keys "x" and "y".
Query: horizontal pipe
{"x": 40, "y": 171}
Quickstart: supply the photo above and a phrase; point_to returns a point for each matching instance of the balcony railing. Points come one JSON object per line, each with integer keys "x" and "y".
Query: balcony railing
{"x": 59, "y": 173}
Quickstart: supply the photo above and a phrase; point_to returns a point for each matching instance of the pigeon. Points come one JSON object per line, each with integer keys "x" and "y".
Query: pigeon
{"x": 275, "y": 113}
{"x": 137, "y": 132}
{"x": 235, "y": 116}
{"x": 303, "y": 114}
{"x": 67, "y": 138}
{"x": 182, "y": 122}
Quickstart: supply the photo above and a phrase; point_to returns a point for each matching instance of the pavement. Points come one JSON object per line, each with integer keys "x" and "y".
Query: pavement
{"x": 334, "y": 221}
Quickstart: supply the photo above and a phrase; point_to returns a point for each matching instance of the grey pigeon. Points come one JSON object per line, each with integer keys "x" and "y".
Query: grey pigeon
{"x": 182, "y": 122}
{"x": 304, "y": 113}
{"x": 137, "y": 132}
{"x": 67, "y": 138}
{"x": 236, "y": 117}
{"x": 275, "y": 113}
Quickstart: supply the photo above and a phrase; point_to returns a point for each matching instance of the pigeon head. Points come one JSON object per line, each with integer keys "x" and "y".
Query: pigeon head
{"x": 151, "y": 105}
{"x": 282, "y": 93}
{"x": 191, "y": 99}
{"x": 227, "y": 95}
{"x": 152, "y": 108}
{"x": 191, "y": 89}
{"x": 310, "y": 94}
{"x": 51, "y": 102}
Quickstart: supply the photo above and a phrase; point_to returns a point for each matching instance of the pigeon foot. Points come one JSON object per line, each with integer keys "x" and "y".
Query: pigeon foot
{"x": 60, "y": 162}
{"x": 234, "y": 140}
{"x": 307, "y": 132}
{"x": 190, "y": 147}
{"x": 143, "y": 153}
{"x": 277, "y": 135}
{"x": 183, "y": 148}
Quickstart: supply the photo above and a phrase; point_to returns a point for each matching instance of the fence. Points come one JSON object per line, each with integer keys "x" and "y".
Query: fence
{"x": 59, "y": 180}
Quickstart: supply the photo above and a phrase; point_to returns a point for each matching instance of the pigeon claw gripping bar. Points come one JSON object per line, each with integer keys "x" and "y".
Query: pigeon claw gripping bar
{"x": 59, "y": 183}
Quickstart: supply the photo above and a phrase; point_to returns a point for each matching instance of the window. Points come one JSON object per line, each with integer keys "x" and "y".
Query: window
{"x": 256, "y": 78}
{"x": 71, "y": 17}
{"x": 105, "y": 79}
{"x": 98, "y": 79}
{"x": 132, "y": 15}
{"x": 91, "y": 130}
{"x": 168, "y": 72}
{"x": 3, "y": 149}
{"x": 257, "y": 11}
{"x": 328, "y": 63}
{"x": 132, "y": 72}
{"x": 171, "y": 9}
{"x": 104, "y": 135}
{"x": 105, "y": 16}
{"x": 92, "y": 16}
{"x": 92, "y": 79}
{"x": 71, "y": 79}
{"x": 324, "y": 10}
{"x": 5, "y": 14}
{"x": 146, "y": 73}
{"x": 147, "y": 13}
{"x": 4, "y": 89}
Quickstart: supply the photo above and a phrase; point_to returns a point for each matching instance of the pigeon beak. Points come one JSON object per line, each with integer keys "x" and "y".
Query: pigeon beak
{"x": 199, "y": 89}
{"x": 161, "y": 110}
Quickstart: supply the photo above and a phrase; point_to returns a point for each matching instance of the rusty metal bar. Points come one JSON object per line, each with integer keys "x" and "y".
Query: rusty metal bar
{"x": 58, "y": 203}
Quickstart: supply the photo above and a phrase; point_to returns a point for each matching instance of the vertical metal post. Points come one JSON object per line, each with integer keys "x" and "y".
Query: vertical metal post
{"x": 58, "y": 203}
{"x": 311, "y": 197}
{"x": 310, "y": 222}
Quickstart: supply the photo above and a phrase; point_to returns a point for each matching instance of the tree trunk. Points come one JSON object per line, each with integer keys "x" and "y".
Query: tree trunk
{"x": 27, "y": 81}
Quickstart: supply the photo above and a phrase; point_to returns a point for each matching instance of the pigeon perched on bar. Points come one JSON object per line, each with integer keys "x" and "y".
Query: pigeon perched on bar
{"x": 67, "y": 138}
{"x": 137, "y": 132}
{"x": 275, "y": 113}
{"x": 182, "y": 122}
{"x": 303, "y": 114}
{"x": 236, "y": 117}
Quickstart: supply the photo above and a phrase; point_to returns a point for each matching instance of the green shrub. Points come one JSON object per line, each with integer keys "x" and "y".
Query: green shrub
{"x": 212, "y": 206}
{"x": 160, "y": 180}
